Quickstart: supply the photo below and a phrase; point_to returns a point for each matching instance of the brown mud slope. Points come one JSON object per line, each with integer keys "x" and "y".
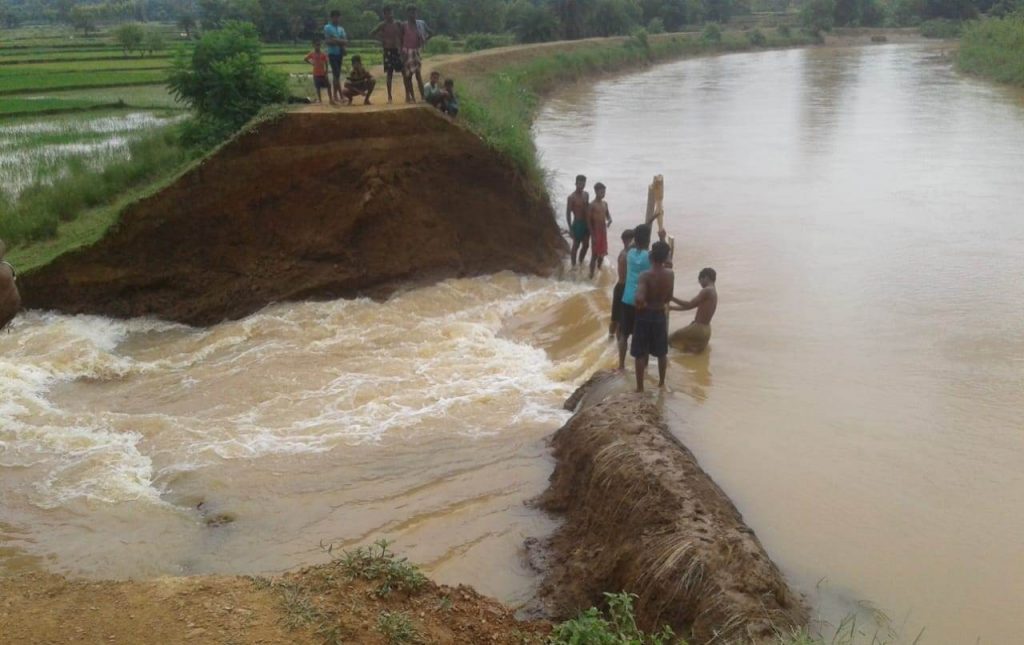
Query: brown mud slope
{"x": 641, "y": 516}
{"x": 310, "y": 206}
{"x": 310, "y": 607}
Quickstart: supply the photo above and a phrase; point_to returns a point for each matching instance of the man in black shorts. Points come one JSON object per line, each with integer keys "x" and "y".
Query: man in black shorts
{"x": 650, "y": 335}
{"x": 620, "y": 286}
{"x": 389, "y": 33}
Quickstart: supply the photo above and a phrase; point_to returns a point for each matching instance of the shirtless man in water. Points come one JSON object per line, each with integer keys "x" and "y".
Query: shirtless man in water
{"x": 576, "y": 209}
{"x": 10, "y": 300}
{"x": 650, "y": 336}
{"x": 695, "y": 336}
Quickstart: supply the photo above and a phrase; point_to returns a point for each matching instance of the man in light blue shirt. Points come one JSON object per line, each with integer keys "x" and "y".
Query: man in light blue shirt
{"x": 336, "y": 39}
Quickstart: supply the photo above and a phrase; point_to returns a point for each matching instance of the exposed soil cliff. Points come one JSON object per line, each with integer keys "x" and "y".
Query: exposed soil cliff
{"x": 310, "y": 206}
{"x": 641, "y": 516}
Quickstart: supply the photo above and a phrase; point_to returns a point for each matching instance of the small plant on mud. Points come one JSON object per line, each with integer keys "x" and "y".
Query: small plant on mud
{"x": 377, "y": 563}
{"x": 397, "y": 628}
{"x": 619, "y": 627}
{"x": 300, "y": 611}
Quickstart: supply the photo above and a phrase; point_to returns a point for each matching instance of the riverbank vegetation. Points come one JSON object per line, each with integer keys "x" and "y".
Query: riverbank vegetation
{"x": 500, "y": 105}
{"x": 994, "y": 49}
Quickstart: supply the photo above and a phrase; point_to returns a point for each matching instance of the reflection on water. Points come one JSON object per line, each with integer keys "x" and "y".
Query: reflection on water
{"x": 861, "y": 400}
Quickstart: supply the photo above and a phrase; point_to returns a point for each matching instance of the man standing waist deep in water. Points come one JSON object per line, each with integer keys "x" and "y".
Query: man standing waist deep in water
{"x": 576, "y": 210}
{"x": 695, "y": 336}
{"x": 10, "y": 299}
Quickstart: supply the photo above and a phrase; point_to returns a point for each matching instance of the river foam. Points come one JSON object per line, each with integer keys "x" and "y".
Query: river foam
{"x": 110, "y": 411}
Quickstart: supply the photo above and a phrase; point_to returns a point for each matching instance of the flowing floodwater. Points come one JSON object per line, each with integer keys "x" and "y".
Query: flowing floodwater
{"x": 864, "y": 208}
{"x": 143, "y": 448}
{"x": 859, "y": 402}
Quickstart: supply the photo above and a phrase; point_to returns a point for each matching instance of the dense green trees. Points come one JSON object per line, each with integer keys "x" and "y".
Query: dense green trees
{"x": 529, "y": 20}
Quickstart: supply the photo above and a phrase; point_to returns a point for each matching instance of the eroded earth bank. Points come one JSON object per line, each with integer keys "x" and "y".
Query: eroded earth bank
{"x": 310, "y": 206}
{"x": 638, "y": 514}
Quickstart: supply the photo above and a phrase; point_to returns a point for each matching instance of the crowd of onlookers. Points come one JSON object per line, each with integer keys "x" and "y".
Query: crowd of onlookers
{"x": 402, "y": 44}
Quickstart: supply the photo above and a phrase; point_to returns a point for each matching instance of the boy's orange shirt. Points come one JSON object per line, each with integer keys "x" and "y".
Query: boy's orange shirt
{"x": 319, "y": 60}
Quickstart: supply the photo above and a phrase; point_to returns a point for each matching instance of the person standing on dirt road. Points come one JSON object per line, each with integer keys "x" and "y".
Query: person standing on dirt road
{"x": 389, "y": 33}
{"x": 414, "y": 37}
{"x": 576, "y": 209}
{"x": 650, "y": 336}
{"x": 336, "y": 40}
{"x": 10, "y": 299}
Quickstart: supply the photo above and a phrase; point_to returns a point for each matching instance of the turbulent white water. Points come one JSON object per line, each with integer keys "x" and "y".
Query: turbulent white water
{"x": 115, "y": 432}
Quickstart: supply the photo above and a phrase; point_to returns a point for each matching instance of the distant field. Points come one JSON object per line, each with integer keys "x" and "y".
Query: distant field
{"x": 70, "y": 104}
{"x": 47, "y": 70}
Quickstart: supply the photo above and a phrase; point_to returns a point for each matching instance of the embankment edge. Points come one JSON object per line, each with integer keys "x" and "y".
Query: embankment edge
{"x": 641, "y": 515}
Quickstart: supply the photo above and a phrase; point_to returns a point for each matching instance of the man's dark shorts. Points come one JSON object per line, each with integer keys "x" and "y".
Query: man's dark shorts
{"x": 335, "y": 60}
{"x": 627, "y": 321}
{"x": 650, "y": 336}
{"x": 321, "y": 83}
{"x": 617, "y": 301}
{"x": 392, "y": 60}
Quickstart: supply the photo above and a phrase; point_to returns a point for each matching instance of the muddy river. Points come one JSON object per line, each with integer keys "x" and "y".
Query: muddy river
{"x": 864, "y": 208}
{"x": 859, "y": 402}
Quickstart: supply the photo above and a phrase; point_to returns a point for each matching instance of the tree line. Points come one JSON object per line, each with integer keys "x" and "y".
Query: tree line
{"x": 528, "y": 20}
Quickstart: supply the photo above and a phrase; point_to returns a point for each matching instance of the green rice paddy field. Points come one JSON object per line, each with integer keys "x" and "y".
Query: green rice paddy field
{"x": 72, "y": 107}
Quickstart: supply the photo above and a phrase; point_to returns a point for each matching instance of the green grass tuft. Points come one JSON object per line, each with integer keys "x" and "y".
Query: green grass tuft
{"x": 397, "y": 628}
{"x": 378, "y": 564}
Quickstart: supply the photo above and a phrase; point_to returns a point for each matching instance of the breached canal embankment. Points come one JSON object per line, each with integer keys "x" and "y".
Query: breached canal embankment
{"x": 641, "y": 515}
{"x": 311, "y": 206}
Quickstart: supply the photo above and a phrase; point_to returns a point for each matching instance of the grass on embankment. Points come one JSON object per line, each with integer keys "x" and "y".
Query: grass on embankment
{"x": 500, "y": 105}
{"x": 994, "y": 49}
{"x": 50, "y": 219}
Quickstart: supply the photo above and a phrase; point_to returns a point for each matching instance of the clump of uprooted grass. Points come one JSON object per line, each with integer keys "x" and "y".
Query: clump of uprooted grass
{"x": 994, "y": 48}
{"x": 42, "y": 207}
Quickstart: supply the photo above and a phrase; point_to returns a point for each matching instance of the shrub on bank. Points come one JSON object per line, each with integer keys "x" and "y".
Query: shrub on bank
{"x": 439, "y": 45}
{"x": 994, "y": 48}
{"x": 757, "y": 38}
{"x": 478, "y": 42}
{"x": 224, "y": 80}
{"x": 712, "y": 33}
{"x": 941, "y": 28}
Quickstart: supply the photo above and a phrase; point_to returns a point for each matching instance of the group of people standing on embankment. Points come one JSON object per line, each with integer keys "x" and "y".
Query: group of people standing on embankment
{"x": 645, "y": 290}
{"x": 402, "y": 44}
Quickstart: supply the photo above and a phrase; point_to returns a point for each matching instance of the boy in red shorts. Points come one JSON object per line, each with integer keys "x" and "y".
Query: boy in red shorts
{"x": 318, "y": 60}
{"x": 598, "y": 220}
